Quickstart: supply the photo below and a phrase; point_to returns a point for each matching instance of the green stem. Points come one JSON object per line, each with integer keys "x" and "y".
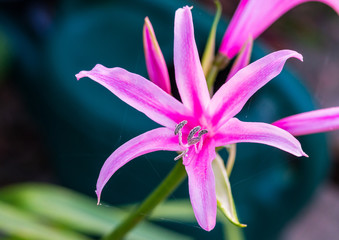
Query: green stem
{"x": 168, "y": 185}
{"x": 220, "y": 62}
{"x": 208, "y": 55}
{"x": 211, "y": 76}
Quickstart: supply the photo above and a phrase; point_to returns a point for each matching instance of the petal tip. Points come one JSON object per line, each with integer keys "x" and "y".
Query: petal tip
{"x": 304, "y": 154}
{"x": 147, "y": 23}
{"x": 79, "y": 75}
{"x": 291, "y": 53}
{"x": 186, "y": 8}
{"x": 300, "y": 57}
{"x": 288, "y": 53}
{"x": 301, "y": 152}
{"x": 209, "y": 226}
{"x": 98, "y": 193}
{"x": 207, "y": 222}
{"x": 97, "y": 67}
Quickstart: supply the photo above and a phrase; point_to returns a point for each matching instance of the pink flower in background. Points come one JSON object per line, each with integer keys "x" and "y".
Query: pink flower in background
{"x": 253, "y": 17}
{"x": 199, "y": 124}
{"x": 317, "y": 121}
{"x": 155, "y": 62}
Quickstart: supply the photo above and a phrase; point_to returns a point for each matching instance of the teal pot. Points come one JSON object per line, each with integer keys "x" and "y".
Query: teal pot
{"x": 85, "y": 122}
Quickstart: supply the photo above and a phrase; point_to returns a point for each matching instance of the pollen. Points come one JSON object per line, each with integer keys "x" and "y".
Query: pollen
{"x": 179, "y": 127}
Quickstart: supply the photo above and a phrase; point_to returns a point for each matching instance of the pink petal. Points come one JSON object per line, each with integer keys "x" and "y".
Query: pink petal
{"x": 155, "y": 62}
{"x": 189, "y": 75}
{"x": 154, "y": 140}
{"x": 232, "y": 96}
{"x": 243, "y": 59}
{"x": 202, "y": 186}
{"x": 235, "y": 131}
{"x": 317, "y": 121}
{"x": 140, "y": 93}
{"x": 252, "y": 17}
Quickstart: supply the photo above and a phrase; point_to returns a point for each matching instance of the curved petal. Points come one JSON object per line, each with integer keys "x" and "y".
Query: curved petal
{"x": 189, "y": 75}
{"x": 233, "y": 95}
{"x": 235, "y": 131}
{"x": 317, "y": 121}
{"x": 253, "y": 17}
{"x": 201, "y": 184}
{"x": 154, "y": 140}
{"x": 155, "y": 62}
{"x": 140, "y": 93}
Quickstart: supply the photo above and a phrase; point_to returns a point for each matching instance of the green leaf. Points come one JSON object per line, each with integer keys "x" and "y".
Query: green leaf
{"x": 181, "y": 210}
{"x": 174, "y": 210}
{"x": 23, "y": 225}
{"x": 208, "y": 55}
{"x": 223, "y": 191}
{"x": 77, "y": 212}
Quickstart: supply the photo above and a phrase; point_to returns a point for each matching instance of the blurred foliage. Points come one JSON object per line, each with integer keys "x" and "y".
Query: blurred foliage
{"x": 47, "y": 212}
{"x": 34, "y": 211}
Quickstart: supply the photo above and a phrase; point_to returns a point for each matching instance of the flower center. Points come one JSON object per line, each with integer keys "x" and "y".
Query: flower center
{"x": 191, "y": 140}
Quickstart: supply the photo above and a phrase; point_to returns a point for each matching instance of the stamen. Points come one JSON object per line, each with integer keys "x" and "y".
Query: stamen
{"x": 193, "y": 132}
{"x": 202, "y": 132}
{"x": 179, "y": 127}
{"x": 181, "y": 155}
{"x": 193, "y": 141}
{"x": 180, "y": 138}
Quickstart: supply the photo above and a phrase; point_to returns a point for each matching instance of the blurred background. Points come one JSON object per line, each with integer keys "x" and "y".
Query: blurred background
{"x": 49, "y": 122}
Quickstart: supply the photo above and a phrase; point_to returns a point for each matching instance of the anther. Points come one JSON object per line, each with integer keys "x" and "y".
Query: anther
{"x": 179, "y": 127}
{"x": 193, "y": 132}
{"x": 202, "y": 132}
{"x": 193, "y": 141}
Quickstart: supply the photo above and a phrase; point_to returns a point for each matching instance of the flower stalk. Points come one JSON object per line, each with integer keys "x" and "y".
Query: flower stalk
{"x": 220, "y": 63}
{"x": 167, "y": 186}
{"x": 208, "y": 56}
{"x": 231, "y": 149}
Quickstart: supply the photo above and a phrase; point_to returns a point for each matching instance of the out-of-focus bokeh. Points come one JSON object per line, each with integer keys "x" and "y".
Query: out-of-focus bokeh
{"x": 33, "y": 38}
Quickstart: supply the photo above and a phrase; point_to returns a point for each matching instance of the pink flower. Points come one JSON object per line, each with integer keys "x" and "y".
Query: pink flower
{"x": 252, "y": 17}
{"x": 317, "y": 121}
{"x": 155, "y": 62}
{"x": 199, "y": 124}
